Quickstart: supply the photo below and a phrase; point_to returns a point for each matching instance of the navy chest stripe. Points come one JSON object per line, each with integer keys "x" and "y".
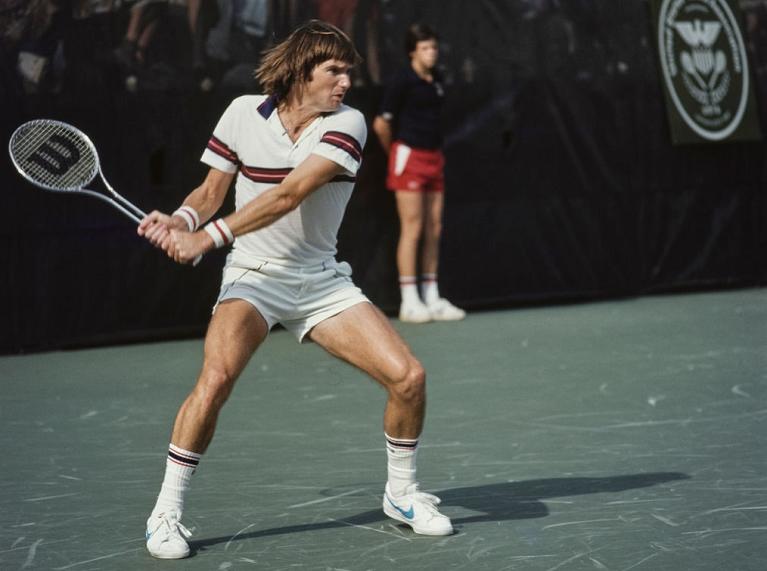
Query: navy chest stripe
{"x": 222, "y": 149}
{"x": 344, "y": 142}
{"x": 276, "y": 176}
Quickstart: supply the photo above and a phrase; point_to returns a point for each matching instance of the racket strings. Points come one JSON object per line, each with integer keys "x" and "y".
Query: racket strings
{"x": 54, "y": 156}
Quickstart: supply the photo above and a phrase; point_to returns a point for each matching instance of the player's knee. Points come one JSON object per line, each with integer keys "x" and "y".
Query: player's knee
{"x": 214, "y": 387}
{"x": 411, "y": 384}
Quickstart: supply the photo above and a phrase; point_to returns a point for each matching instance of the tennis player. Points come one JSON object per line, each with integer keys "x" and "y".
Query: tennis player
{"x": 409, "y": 131}
{"x": 294, "y": 153}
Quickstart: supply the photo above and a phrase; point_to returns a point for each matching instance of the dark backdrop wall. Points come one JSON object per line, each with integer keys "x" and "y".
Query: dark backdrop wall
{"x": 562, "y": 181}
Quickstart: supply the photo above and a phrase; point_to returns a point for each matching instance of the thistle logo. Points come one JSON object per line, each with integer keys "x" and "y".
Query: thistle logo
{"x": 704, "y": 65}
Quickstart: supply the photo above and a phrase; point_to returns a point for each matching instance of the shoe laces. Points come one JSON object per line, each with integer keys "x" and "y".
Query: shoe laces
{"x": 174, "y": 527}
{"x": 429, "y": 499}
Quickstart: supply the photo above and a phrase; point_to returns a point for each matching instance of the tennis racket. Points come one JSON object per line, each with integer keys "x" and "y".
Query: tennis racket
{"x": 56, "y": 156}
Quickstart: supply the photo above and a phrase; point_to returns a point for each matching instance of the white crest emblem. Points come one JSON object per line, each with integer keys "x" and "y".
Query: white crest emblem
{"x": 704, "y": 63}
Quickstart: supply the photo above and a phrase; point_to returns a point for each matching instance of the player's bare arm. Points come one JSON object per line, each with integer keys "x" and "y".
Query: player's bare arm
{"x": 206, "y": 199}
{"x": 273, "y": 204}
{"x": 262, "y": 211}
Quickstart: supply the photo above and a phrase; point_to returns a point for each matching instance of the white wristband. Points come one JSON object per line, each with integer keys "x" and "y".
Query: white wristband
{"x": 220, "y": 232}
{"x": 190, "y": 216}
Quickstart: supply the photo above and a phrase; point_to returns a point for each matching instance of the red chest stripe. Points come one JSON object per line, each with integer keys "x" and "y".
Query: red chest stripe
{"x": 276, "y": 176}
{"x": 258, "y": 174}
{"x": 220, "y": 148}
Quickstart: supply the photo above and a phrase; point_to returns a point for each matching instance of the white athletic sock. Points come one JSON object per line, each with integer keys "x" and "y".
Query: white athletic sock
{"x": 429, "y": 289}
{"x": 179, "y": 468}
{"x": 409, "y": 290}
{"x": 400, "y": 454}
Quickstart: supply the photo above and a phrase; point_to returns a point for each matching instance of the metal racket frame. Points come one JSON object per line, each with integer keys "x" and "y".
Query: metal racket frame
{"x": 119, "y": 202}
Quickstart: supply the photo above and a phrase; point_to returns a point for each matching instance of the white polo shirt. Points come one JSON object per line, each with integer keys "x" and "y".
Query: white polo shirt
{"x": 251, "y": 140}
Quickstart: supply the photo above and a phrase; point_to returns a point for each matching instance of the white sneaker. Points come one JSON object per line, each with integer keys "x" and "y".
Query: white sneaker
{"x": 442, "y": 310}
{"x": 165, "y": 536}
{"x": 418, "y": 510}
{"x": 414, "y": 312}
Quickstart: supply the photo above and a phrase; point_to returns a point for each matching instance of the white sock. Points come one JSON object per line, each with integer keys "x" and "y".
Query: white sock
{"x": 429, "y": 289}
{"x": 179, "y": 468}
{"x": 409, "y": 290}
{"x": 400, "y": 454}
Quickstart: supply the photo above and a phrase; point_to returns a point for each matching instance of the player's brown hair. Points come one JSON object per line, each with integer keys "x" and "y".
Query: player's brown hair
{"x": 291, "y": 61}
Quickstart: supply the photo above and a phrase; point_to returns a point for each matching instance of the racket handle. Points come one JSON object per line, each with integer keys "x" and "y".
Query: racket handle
{"x": 197, "y": 260}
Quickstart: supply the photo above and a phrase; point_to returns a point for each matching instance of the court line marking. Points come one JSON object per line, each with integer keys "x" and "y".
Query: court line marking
{"x": 322, "y": 500}
{"x": 43, "y": 498}
{"x": 638, "y": 563}
{"x": 707, "y": 532}
{"x": 579, "y": 522}
{"x": 32, "y": 553}
{"x": 231, "y": 539}
{"x": 96, "y": 559}
{"x": 398, "y": 536}
{"x": 576, "y": 557}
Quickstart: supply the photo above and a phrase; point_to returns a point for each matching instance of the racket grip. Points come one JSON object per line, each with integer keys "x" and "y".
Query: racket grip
{"x": 197, "y": 260}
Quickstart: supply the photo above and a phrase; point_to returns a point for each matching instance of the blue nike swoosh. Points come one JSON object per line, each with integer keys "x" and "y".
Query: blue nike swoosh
{"x": 408, "y": 514}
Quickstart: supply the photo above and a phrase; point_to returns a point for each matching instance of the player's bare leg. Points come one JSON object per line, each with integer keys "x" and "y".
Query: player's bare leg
{"x": 235, "y": 332}
{"x": 363, "y": 337}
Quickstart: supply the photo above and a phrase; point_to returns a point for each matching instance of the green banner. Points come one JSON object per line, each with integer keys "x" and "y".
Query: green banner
{"x": 705, "y": 74}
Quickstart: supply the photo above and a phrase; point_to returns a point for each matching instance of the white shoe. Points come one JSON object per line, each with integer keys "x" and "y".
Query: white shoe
{"x": 166, "y": 537}
{"x": 414, "y": 312}
{"x": 442, "y": 310}
{"x": 418, "y": 510}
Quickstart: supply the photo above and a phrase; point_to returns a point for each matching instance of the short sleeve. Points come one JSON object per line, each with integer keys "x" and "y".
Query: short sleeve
{"x": 343, "y": 137}
{"x": 221, "y": 152}
{"x": 392, "y": 99}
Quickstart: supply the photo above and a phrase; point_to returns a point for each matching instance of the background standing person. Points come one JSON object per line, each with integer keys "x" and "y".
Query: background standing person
{"x": 409, "y": 130}
{"x": 294, "y": 153}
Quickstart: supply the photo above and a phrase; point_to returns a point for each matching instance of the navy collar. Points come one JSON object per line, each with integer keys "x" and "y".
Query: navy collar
{"x": 268, "y": 106}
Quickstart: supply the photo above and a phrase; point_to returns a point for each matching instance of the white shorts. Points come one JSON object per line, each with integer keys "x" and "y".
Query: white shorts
{"x": 298, "y": 298}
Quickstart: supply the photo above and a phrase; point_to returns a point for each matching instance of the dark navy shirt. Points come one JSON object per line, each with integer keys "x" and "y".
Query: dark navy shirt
{"x": 413, "y": 106}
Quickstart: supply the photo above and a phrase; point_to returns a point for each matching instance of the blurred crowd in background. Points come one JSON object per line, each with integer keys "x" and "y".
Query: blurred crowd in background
{"x": 159, "y": 44}
{"x": 216, "y": 44}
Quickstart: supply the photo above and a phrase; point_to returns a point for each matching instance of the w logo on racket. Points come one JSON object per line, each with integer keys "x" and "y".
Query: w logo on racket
{"x": 56, "y": 155}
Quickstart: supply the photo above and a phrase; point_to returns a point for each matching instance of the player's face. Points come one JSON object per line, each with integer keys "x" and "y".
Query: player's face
{"x": 329, "y": 83}
{"x": 425, "y": 53}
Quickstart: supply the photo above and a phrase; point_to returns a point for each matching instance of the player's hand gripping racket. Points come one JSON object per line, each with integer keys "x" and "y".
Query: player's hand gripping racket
{"x": 59, "y": 157}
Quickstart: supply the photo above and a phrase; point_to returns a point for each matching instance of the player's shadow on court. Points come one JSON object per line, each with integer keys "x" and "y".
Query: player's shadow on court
{"x": 490, "y": 502}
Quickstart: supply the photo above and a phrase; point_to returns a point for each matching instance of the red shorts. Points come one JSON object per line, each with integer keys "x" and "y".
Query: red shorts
{"x": 415, "y": 170}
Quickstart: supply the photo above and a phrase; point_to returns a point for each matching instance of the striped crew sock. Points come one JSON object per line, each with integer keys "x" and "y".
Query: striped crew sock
{"x": 429, "y": 289}
{"x": 408, "y": 289}
{"x": 179, "y": 468}
{"x": 400, "y": 454}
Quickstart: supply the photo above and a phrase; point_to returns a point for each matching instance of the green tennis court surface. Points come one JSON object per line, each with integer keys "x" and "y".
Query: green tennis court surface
{"x": 623, "y": 435}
